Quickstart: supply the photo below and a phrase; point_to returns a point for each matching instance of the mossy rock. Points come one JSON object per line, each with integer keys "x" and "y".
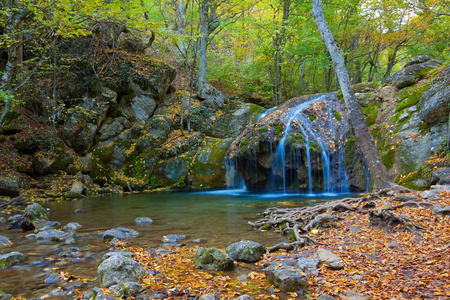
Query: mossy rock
{"x": 213, "y": 259}
{"x": 36, "y": 212}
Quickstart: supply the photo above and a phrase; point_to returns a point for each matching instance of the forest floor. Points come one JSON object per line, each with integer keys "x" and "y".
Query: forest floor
{"x": 400, "y": 254}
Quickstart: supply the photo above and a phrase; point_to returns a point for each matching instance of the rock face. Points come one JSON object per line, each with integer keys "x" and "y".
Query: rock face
{"x": 413, "y": 71}
{"x": 119, "y": 269}
{"x": 213, "y": 259}
{"x": 434, "y": 103}
{"x": 10, "y": 259}
{"x": 246, "y": 251}
{"x": 296, "y": 147}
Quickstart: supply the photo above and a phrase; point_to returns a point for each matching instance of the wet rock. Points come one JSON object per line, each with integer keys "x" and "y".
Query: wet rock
{"x": 72, "y": 226}
{"x": 5, "y": 296}
{"x": 143, "y": 221}
{"x": 308, "y": 265}
{"x": 70, "y": 241}
{"x": 2, "y": 220}
{"x": 42, "y": 225}
{"x": 286, "y": 277}
{"x": 72, "y": 252}
{"x": 246, "y": 251}
{"x": 197, "y": 241}
{"x": 329, "y": 259}
{"x": 21, "y": 221}
{"x": 11, "y": 259}
{"x": 4, "y": 241}
{"x": 79, "y": 211}
{"x": 98, "y": 294}
{"x": 119, "y": 269}
{"x": 36, "y": 212}
{"x": 127, "y": 289}
{"x": 52, "y": 279}
{"x": 12, "y": 185}
{"x": 53, "y": 235}
{"x": 173, "y": 239}
{"x": 119, "y": 233}
{"x": 213, "y": 259}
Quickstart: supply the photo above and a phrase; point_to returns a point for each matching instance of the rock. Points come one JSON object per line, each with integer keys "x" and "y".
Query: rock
{"x": 119, "y": 252}
{"x": 308, "y": 265}
{"x": 417, "y": 60}
{"x": 42, "y": 225}
{"x": 411, "y": 73}
{"x": 72, "y": 226}
{"x": 72, "y": 252}
{"x": 42, "y": 164}
{"x": 98, "y": 294}
{"x": 244, "y": 297}
{"x": 441, "y": 176}
{"x": 329, "y": 259}
{"x": 143, "y": 108}
{"x": 207, "y": 168}
{"x": 213, "y": 259}
{"x": 127, "y": 289}
{"x": 143, "y": 221}
{"x": 113, "y": 127}
{"x": 210, "y": 296}
{"x": 11, "y": 259}
{"x": 119, "y": 269}
{"x": 211, "y": 95}
{"x": 441, "y": 211}
{"x": 5, "y": 296}
{"x": 434, "y": 103}
{"x": 2, "y": 220}
{"x": 4, "y": 241}
{"x": 429, "y": 194}
{"x": 326, "y": 297}
{"x": 76, "y": 190}
{"x": 119, "y": 233}
{"x": 243, "y": 278}
{"x": 36, "y": 212}
{"x": 246, "y": 251}
{"x": 86, "y": 163}
{"x": 12, "y": 185}
{"x": 52, "y": 279}
{"x": 53, "y": 235}
{"x": 354, "y": 229}
{"x": 173, "y": 239}
{"x": 286, "y": 277}
{"x": 404, "y": 198}
{"x": 393, "y": 245}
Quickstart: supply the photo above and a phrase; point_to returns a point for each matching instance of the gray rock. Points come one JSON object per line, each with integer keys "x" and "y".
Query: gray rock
{"x": 72, "y": 252}
{"x": 326, "y": 297}
{"x": 417, "y": 60}
{"x": 127, "y": 289}
{"x": 52, "y": 279}
{"x": 329, "y": 259}
{"x": 113, "y": 127}
{"x": 72, "y": 226}
{"x": 404, "y": 198}
{"x": 70, "y": 241}
{"x": 213, "y": 259}
{"x": 42, "y": 165}
{"x": 411, "y": 73}
{"x": 119, "y": 252}
{"x": 441, "y": 176}
{"x": 98, "y": 294}
{"x": 156, "y": 85}
{"x": 286, "y": 278}
{"x": 173, "y": 239}
{"x": 76, "y": 190}
{"x": 53, "y": 235}
{"x": 2, "y": 220}
{"x": 36, "y": 212}
{"x": 243, "y": 278}
{"x": 434, "y": 103}
{"x": 354, "y": 229}
{"x": 42, "y": 225}
{"x": 441, "y": 211}
{"x": 12, "y": 185}
{"x": 308, "y": 265}
{"x": 244, "y": 297}
{"x": 86, "y": 163}
{"x": 119, "y": 269}
{"x": 119, "y": 233}
{"x": 210, "y": 296}
{"x": 4, "y": 241}
{"x": 143, "y": 108}
{"x": 429, "y": 194}
{"x": 393, "y": 245}
{"x": 11, "y": 259}
{"x": 246, "y": 251}
{"x": 143, "y": 221}
{"x": 211, "y": 95}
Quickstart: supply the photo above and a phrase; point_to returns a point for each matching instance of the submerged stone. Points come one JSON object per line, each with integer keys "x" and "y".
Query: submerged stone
{"x": 11, "y": 259}
{"x": 119, "y": 233}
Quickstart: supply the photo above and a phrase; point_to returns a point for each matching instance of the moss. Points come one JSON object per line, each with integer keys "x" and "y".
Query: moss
{"x": 243, "y": 145}
{"x": 278, "y": 130}
{"x": 423, "y": 73}
{"x": 337, "y": 115}
{"x": 365, "y": 86}
{"x": 265, "y": 227}
{"x": 350, "y": 150}
{"x": 255, "y": 109}
{"x": 424, "y": 128}
{"x": 411, "y": 96}
{"x": 388, "y": 158}
{"x": 371, "y": 113}
{"x": 312, "y": 117}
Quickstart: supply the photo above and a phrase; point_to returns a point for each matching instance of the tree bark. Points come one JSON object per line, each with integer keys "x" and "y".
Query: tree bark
{"x": 202, "y": 53}
{"x": 364, "y": 139}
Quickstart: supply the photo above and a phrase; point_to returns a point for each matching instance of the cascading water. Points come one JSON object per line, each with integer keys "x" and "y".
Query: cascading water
{"x": 298, "y": 147}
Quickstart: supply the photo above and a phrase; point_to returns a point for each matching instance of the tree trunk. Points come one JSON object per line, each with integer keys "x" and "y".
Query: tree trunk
{"x": 201, "y": 78}
{"x": 392, "y": 61}
{"x": 364, "y": 139}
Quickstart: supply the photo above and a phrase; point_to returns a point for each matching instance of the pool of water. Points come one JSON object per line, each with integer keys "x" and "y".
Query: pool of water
{"x": 218, "y": 218}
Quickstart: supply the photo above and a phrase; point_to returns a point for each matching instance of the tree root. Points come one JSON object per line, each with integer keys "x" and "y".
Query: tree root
{"x": 386, "y": 219}
{"x": 17, "y": 200}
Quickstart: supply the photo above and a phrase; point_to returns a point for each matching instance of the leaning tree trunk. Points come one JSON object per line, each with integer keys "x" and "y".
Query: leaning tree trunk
{"x": 201, "y": 79}
{"x": 364, "y": 139}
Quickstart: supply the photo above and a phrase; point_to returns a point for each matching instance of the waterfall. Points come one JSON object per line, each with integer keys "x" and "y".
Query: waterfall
{"x": 298, "y": 147}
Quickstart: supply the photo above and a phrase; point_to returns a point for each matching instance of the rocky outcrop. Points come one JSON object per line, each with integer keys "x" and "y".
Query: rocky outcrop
{"x": 413, "y": 71}
{"x": 434, "y": 105}
{"x": 12, "y": 185}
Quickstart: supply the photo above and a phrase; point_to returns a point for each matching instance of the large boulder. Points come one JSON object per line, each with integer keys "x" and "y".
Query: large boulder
{"x": 119, "y": 233}
{"x": 11, "y": 259}
{"x": 207, "y": 168}
{"x": 211, "y": 95}
{"x": 213, "y": 259}
{"x": 246, "y": 251}
{"x": 416, "y": 69}
{"x": 434, "y": 104}
{"x": 36, "y": 212}
{"x": 118, "y": 269}
{"x": 329, "y": 259}
{"x": 53, "y": 235}
{"x": 286, "y": 277}
{"x": 143, "y": 108}
{"x": 12, "y": 185}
